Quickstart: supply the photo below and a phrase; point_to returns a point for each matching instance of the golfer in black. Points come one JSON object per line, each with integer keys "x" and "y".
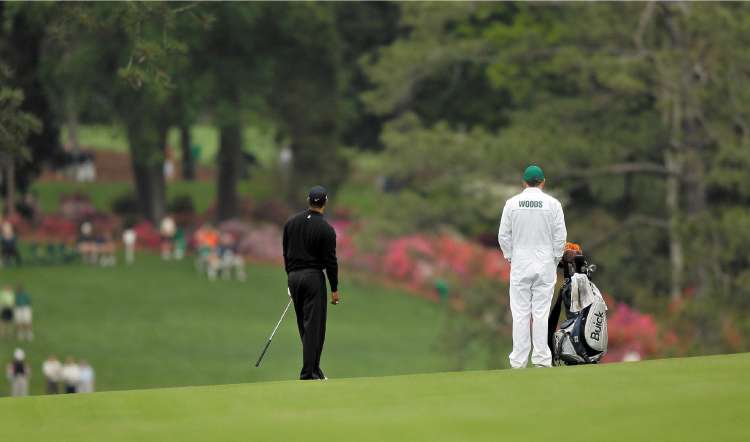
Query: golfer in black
{"x": 310, "y": 248}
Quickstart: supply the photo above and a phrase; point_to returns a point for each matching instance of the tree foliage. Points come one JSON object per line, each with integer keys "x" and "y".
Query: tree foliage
{"x": 15, "y": 124}
{"x": 637, "y": 112}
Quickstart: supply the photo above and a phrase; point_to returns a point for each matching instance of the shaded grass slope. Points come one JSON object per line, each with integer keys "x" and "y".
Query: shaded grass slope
{"x": 160, "y": 324}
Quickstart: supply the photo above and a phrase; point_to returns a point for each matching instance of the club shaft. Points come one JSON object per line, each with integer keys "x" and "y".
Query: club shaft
{"x": 260, "y": 358}
{"x": 268, "y": 343}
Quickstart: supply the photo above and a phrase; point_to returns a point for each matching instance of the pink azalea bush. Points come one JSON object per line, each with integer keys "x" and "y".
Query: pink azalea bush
{"x": 418, "y": 260}
{"x": 262, "y": 241}
{"x": 634, "y": 333}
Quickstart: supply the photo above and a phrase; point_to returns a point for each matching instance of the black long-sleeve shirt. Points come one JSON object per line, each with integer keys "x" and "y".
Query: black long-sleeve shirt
{"x": 310, "y": 243}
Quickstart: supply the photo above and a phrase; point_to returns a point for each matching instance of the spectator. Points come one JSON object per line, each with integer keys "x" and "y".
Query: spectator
{"x": 107, "y": 250}
{"x": 22, "y": 315}
{"x": 167, "y": 229}
{"x": 286, "y": 164}
{"x": 442, "y": 289}
{"x": 229, "y": 259}
{"x": 87, "y": 244}
{"x": 71, "y": 375}
{"x": 179, "y": 243}
{"x": 18, "y": 374}
{"x": 7, "y": 301}
{"x": 52, "y": 370}
{"x": 9, "y": 245}
{"x": 87, "y": 378}
{"x": 85, "y": 167}
{"x": 129, "y": 238}
{"x": 207, "y": 239}
{"x": 168, "y": 164}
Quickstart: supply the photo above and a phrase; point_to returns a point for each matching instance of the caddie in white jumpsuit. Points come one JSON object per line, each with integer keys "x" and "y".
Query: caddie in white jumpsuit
{"x": 532, "y": 237}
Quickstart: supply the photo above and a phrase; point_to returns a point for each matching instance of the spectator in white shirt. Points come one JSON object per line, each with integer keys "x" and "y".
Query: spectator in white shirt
{"x": 52, "y": 370}
{"x": 168, "y": 229}
{"x": 128, "y": 238}
{"x": 87, "y": 378}
{"x": 71, "y": 375}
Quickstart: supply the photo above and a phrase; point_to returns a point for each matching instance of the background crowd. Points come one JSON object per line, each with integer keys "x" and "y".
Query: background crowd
{"x": 69, "y": 377}
{"x": 15, "y": 314}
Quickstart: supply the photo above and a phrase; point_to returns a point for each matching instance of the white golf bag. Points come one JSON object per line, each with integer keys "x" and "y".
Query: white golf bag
{"x": 582, "y": 337}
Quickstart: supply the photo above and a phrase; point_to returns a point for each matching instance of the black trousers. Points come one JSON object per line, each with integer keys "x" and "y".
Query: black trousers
{"x": 52, "y": 387}
{"x": 308, "y": 288}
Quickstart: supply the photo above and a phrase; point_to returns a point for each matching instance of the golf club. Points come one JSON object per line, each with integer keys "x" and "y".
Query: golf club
{"x": 260, "y": 358}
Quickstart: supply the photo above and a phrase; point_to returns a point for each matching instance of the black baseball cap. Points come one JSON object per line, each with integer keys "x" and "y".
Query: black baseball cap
{"x": 317, "y": 196}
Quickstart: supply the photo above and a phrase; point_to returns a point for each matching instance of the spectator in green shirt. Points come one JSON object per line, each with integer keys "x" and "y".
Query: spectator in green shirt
{"x": 22, "y": 315}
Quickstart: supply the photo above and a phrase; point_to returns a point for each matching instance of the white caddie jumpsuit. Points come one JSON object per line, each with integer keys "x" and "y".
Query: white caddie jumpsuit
{"x": 532, "y": 237}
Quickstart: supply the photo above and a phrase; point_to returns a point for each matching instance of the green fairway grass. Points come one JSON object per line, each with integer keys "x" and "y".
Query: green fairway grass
{"x": 692, "y": 399}
{"x": 259, "y": 187}
{"x": 259, "y": 141}
{"x": 158, "y": 324}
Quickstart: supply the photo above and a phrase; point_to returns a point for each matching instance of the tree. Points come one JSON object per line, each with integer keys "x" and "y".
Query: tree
{"x": 620, "y": 101}
{"x": 141, "y": 46}
{"x": 124, "y": 54}
{"x": 656, "y": 69}
{"x": 305, "y": 95}
{"x": 22, "y": 44}
{"x": 362, "y": 27}
{"x": 16, "y": 126}
{"x": 232, "y": 60}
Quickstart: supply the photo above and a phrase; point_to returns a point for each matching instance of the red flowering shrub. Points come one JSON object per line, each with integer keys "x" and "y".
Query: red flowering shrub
{"x": 417, "y": 259}
{"x": 406, "y": 259}
{"x": 346, "y": 250}
{"x": 495, "y": 267}
{"x": 147, "y": 235}
{"x": 631, "y": 331}
{"x": 56, "y": 227}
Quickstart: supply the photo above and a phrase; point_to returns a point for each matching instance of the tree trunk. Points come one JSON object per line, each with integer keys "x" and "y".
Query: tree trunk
{"x": 147, "y": 139}
{"x": 71, "y": 117}
{"x": 229, "y": 160}
{"x": 696, "y": 202}
{"x": 676, "y": 254}
{"x": 188, "y": 162}
{"x": 150, "y": 190}
{"x": 10, "y": 192}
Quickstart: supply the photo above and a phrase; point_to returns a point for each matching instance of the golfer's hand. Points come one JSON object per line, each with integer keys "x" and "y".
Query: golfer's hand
{"x": 335, "y": 298}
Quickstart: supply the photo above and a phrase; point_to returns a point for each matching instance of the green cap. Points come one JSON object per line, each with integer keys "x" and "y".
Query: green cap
{"x": 533, "y": 174}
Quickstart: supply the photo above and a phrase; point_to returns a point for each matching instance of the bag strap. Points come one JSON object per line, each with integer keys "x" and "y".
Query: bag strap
{"x": 554, "y": 316}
